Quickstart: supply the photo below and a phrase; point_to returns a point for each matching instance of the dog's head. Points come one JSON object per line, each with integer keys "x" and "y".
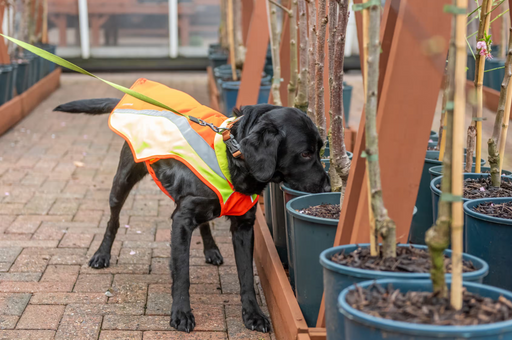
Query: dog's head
{"x": 282, "y": 144}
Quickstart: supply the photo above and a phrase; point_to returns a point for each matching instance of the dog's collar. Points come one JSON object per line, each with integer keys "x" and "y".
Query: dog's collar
{"x": 230, "y": 141}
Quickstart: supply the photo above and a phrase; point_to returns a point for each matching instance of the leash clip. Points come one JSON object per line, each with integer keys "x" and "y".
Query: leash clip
{"x": 233, "y": 146}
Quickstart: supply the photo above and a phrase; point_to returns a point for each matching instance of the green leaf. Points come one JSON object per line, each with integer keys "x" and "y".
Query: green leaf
{"x": 64, "y": 63}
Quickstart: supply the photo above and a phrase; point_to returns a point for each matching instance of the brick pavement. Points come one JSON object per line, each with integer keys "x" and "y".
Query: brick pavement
{"x": 55, "y": 174}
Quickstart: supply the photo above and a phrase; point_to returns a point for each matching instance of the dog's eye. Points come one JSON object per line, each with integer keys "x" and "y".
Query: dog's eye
{"x": 306, "y": 154}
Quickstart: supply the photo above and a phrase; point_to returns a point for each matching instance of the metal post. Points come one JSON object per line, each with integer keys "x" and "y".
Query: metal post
{"x": 173, "y": 28}
{"x": 83, "y": 16}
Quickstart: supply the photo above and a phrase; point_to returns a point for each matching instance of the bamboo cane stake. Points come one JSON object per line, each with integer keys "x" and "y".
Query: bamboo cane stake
{"x": 231, "y": 37}
{"x": 301, "y": 100}
{"x": 457, "y": 155}
{"x": 311, "y": 58}
{"x": 319, "y": 70}
{"x": 383, "y": 224}
{"x": 479, "y": 77}
{"x": 275, "y": 39}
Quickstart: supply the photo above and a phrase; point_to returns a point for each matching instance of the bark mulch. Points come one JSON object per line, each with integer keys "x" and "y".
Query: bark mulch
{"x": 331, "y": 211}
{"x": 408, "y": 260}
{"x": 500, "y": 210}
{"x": 475, "y": 188}
{"x": 427, "y": 308}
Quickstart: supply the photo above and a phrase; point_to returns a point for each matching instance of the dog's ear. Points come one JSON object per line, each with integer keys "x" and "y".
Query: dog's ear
{"x": 260, "y": 150}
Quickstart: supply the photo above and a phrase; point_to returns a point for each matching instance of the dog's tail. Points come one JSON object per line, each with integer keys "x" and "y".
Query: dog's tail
{"x": 89, "y": 106}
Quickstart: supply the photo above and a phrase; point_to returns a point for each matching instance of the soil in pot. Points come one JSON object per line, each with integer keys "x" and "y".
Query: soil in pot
{"x": 499, "y": 210}
{"x": 331, "y": 211}
{"x": 408, "y": 260}
{"x": 427, "y": 308}
{"x": 475, "y": 188}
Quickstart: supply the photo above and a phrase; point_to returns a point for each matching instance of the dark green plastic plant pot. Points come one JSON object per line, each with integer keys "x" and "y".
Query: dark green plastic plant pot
{"x": 490, "y": 238}
{"x": 217, "y": 59}
{"x": 436, "y": 194}
{"x": 422, "y": 221}
{"x": 496, "y": 76}
{"x": 268, "y": 207}
{"x": 347, "y": 99}
{"x": 310, "y": 236}
{"x": 470, "y": 74}
{"x": 437, "y": 171}
{"x": 12, "y": 82}
{"x": 362, "y": 326}
{"x": 5, "y": 80}
{"x": 22, "y": 76}
{"x": 326, "y": 162}
{"x": 434, "y": 136}
{"x": 338, "y": 277}
{"x": 278, "y": 222}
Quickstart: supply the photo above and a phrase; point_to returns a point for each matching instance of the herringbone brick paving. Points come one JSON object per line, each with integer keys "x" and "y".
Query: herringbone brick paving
{"x": 56, "y": 171}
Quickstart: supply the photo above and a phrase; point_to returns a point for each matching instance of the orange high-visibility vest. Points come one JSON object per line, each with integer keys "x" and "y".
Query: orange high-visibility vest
{"x": 153, "y": 134}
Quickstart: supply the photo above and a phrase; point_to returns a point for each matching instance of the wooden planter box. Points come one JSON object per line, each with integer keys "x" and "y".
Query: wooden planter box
{"x": 20, "y": 106}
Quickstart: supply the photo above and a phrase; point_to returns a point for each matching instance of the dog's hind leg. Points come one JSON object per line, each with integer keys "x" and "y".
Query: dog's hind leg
{"x": 243, "y": 244}
{"x": 128, "y": 174}
{"x": 211, "y": 251}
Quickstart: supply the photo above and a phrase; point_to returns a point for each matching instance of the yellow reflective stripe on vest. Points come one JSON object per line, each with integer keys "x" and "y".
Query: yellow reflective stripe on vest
{"x": 160, "y": 133}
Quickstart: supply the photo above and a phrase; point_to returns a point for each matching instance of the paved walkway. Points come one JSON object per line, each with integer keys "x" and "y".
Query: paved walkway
{"x": 55, "y": 175}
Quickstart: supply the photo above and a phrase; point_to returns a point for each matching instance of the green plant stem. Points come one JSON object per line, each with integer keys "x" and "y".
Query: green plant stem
{"x": 319, "y": 70}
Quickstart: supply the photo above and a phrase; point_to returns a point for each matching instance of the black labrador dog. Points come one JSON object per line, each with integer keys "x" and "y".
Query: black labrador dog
{"x": 278, "y": 144}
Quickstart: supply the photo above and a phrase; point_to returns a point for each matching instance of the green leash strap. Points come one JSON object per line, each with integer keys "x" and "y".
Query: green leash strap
{"x": 64, "y": 63}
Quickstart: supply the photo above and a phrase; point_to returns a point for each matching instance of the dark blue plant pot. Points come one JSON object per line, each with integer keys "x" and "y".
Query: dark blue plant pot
{"x": 5, "y": 82}
{"x": 268, "y": 207}
{"x": 347, "y": 99}
{"x": 437, "y": 171}
{"x": 12, "y": 83}
{"x": 22, "y": 76}
{"x": 434, "y": 136}
{"x": 496, "y": 76}
{"x": 278, "y": 222}
{"x": 422, "y": 221}
{"x": 490, "y": 238}
{"x": 217, "y": 59}
{"x": 470, "y": 74}
{"x": 338, "y": 277}
{"x": 361, "y": 326}
{"x": 230, "y": 94}
{"x": 310, "y": 236}
{"x": 436, "y": 194}
{"x": 487, "y": 78}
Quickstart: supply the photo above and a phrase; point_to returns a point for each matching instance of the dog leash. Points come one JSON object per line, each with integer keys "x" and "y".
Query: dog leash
{"x": 228, "y": 138}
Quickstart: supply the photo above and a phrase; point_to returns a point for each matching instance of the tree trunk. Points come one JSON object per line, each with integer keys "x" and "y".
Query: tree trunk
{"x": 239, "y": 41}
{"x": 479, "y": 77}
{"x": 311, "y": 59}
{"x": 444, "y": 88}
{"x": 301, "y": 100}
{"x": 438, "y": 236}
{"x": 339, "y": 158}
{"x": 292, "y": 85}
{"x": 319, "y": 70}
{"x": 494, "y": 156}
{"x": 384, "y": 225}
{"x": 275, "y": 40}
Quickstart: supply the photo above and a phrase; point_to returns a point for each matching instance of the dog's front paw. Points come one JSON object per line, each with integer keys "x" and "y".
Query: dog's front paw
{"x": 213, "y": 256}
{"x": 183, "y": 321}
{"x": 99, "y": 261}
{"x": 256, "y": 321}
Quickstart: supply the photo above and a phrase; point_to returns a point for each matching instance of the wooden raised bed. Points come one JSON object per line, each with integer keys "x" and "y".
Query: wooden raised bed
{"x": 20, "y": 106}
